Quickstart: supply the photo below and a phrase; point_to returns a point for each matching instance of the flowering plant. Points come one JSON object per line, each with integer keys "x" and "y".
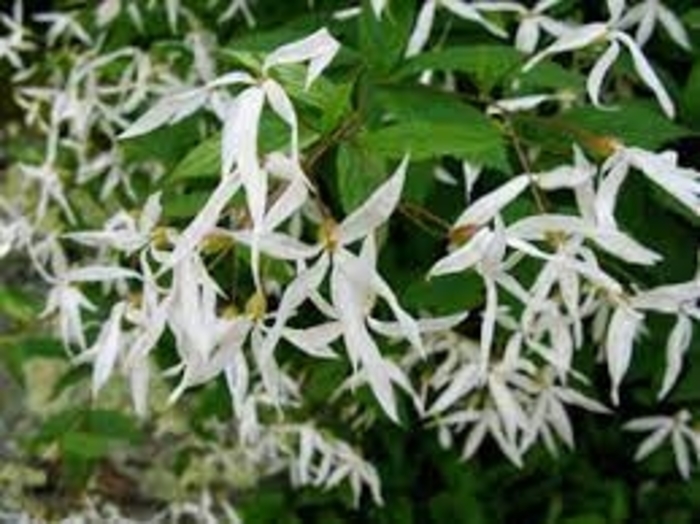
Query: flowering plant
{"x": 273, "y": 231}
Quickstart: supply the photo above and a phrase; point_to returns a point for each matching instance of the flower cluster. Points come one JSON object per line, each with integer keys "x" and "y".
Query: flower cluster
{"x": 129, "y": 279}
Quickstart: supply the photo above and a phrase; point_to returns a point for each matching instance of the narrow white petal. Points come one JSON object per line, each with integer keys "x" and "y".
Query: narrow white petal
{"x": 468, "y": 12}
{"x": 646, "y": 26}
{"x": 409, "y": 327}
{"x": 599, "y": 70}
{"x": 609, "y": 187}
{"x": 294, "y": 295}
{"x": 319, "y": 48}
{"x": 282, "y": 106}
{"x": 376, "y": 209}
{"x": 561, "y": 423}
{"x": 488, "y": 206}
{"x": 229, "y": 139}
{"x": 674, "y": 26}
{"x": 647, "y": 74}
{"x": 652, "y": 443}
{"x": 421, "y": 30}
{"x": 527, "y": 36}
{"x": 488, "y": 324}
{"x": 648, "y": 423}
{"x": 474, "y": 440}
{"x": 576, "y": 38}
{"x": 576, "y": 398}
{"x": 676, "y": 347}
{"x": 250, "y": 104}
{"x": 510, "y": 412}
{"x": 291, "y": 200}
{"x": 232, "y": 78}
{"x": 616, "y": 8}
{"x": 206, "y": 219}
{"x": 99, "y": 274}
{"x": 465, "y": 256}
{"x": 680, "y": 450}
{"x": 159, "y": 115}
{"x": 360, "y": 346}
{"x": 315, "y": 341}
{"x": 624, "y": 247}
{"x": 624, "y": 325}
{"x": 107, "y": 347}
{"x": 506, "y": 445}
{"x": 378, "y": 6}
{"x": 463, "y": 382}
{"x": 276, "y": 245}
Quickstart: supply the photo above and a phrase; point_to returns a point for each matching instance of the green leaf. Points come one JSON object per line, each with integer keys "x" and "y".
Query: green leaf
{"x": 266, "y": 40}
{"x": 382, "y": 41}
{"x": 634, "y": 123}
{"x": 692, "y": 19}
{"x": 429, "y": 124}
{"x": 360, "y": 171}
{"x": 204, "y": 160}
{"x": 486, "y": 65}
{"x": 691, "y": 97}
{"x": 322, "y": 94}
{"x": 113, "y": 425}
{"x": 165, "y": 144}
{"x": 423, "y": 140}
{"x": 446, "y": 294}
{"x": 184, "y": 205}
{"x": 17, "y": 305}
{"x": 548, "y": 75}
{"x": 85, "y": 445}
{"x": 55, "y": 426}
{"x": 333, "y": 100}
{"x": 589, "y": 518}
{"x": 15, "y": 350}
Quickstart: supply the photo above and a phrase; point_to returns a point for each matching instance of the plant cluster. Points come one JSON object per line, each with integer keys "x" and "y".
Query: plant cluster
{"x": 302, "y": 221}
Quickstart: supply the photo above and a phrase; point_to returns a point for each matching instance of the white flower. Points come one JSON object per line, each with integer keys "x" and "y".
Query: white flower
{"x": 107, "y": 11}
{"x": 679, "y": 300}
{"x": 622, "y": 330}
{"x": 325, "y": 461}
{"x": 661, "y": 168}
{"x": 567, "y": 176}
{"x": 460, "y": 8}
{"x": 646, "y": 14}
{"x": 627, "y": 321}
{"x": 50, "y": 188}
{"x": 532, "y": 21}
{"x": 615, "y": 242}
{"x": 67, "y": 301}
{"x": 235, "y": 7}
{"x": 588, "y": 34}
{"x": 354, "y": 283}
{"x": 193, "y": 320}
{"x": 123, "y": 232}
{"x": 106, "y": 348}
{"x": 483, "y": 421}
{"x": 318, "y": 49}
{"x": 63, "y": 25}
{"x": 549, "y": 411}
{"x": 684, "y": 439}
{"x": 677, "y": 345}
{"x": 14, "y": 43}
{"x": 470, "y": 224}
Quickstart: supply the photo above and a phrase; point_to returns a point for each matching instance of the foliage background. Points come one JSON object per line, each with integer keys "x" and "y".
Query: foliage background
{"x": 53, "y": 448}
